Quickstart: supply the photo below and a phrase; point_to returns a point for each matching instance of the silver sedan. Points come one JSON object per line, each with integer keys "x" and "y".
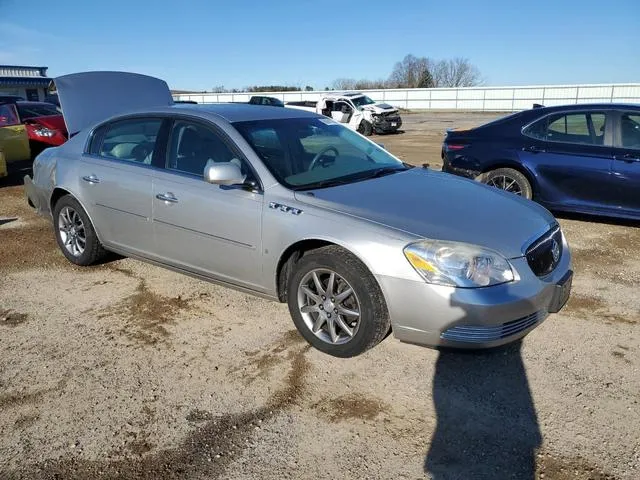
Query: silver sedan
{"x": 294, "y": 207}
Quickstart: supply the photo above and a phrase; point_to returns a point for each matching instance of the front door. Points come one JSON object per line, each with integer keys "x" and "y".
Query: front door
{"x": 14, "y": 141}
{"x": 626, "y": 164}
{"x": 116, "y": 183}
{"x": 208, "y": 229}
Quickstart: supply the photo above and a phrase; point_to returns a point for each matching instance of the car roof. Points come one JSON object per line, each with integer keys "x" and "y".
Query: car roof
{"x": 238, "y": 112}
{"x": 588, "y": 106}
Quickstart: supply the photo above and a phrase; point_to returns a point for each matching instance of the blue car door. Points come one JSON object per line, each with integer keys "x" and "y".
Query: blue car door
{"x": 571, "y": 154}
{"x": 626, "y": 164}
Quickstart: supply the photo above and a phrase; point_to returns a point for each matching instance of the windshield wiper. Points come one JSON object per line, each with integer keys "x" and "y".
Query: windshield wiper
{"x": 366, "y": 175}
{"x": 382, "y": 171}
{"x": 324, "y": 184}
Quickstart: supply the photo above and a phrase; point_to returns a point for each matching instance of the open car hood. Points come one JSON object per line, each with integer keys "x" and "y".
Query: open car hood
{"x": 90, "y": 97}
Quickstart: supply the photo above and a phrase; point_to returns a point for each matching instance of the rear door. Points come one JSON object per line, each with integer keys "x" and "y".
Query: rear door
{"x": 626, "y": 164}
{"x": 209, "y": 229}
{"x": 116, "y": 182}
{"x": 14, "y": 141}
{"x": 572, "y": 153}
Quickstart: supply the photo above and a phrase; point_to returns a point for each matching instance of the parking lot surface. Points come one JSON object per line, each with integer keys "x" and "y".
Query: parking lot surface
{"x": 126, "y": 370}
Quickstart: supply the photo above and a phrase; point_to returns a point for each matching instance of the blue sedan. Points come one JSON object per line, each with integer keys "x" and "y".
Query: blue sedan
{"x": 577, "y": 158}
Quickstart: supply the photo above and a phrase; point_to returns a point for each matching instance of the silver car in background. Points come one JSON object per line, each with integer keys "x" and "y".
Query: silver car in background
{"x": 294, "y": 207}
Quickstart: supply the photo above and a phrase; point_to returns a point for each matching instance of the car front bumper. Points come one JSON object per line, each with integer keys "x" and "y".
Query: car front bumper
{"x": 439, "y": 316}
{"x": 387, "y": 124}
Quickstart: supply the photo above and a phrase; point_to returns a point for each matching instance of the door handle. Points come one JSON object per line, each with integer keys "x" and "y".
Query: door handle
{"x": 628, "y": 157}
{"x": 534, "y": 149}
{"x": 92, "y": 179}
{"x": 167, "y": 197}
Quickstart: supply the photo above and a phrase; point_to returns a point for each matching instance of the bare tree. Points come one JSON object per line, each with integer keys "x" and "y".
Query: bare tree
{"x": 456, "y": 72}
{"x": 344, "y": 84}
{"x": 420, "y": 72}
{"x": 410, "y": 71}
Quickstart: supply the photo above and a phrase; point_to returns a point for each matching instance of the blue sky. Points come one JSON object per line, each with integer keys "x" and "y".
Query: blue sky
{"x": 200, "y": 44}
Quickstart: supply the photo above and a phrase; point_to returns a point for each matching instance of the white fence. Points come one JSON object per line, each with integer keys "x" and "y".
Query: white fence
{"x": 470, "y": 99}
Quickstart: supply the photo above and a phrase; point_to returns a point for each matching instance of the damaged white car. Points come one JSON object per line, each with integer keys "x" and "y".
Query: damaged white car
{"x": 356, "y": 111}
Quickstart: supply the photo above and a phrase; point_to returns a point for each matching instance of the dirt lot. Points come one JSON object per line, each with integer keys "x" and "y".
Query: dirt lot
{"x": 125, "y": 370}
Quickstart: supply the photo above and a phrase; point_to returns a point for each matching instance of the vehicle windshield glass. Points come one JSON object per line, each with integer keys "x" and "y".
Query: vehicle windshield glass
{"x": 305, "y": 153}
{"x": 36, "y": 110}
{"x": 361, "y": 101}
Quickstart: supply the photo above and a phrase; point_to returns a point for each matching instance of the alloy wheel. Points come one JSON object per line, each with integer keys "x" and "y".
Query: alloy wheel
{"x": 329, "y": 306}
{"x": 72, "y": 231}
{"x": 506, "y": 183}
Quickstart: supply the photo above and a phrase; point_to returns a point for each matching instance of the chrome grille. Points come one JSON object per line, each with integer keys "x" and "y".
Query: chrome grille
{"x": 540, "y": 254}
{"x": 486, "y": 333}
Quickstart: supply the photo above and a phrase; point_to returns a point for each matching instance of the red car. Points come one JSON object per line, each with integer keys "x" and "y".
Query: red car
{"x": 45, "y": 125}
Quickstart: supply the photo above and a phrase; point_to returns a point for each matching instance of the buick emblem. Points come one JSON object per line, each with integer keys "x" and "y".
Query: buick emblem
{"x": 555, "y": 251}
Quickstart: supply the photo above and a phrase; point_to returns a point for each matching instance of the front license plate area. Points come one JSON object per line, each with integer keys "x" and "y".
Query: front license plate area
{"x": 562, "y": 293}
{"x": 394, "y": 124}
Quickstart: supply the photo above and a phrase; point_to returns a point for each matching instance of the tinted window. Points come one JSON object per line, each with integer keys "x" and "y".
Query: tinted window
{"x": 8, "y": 115}
{"x": 583, "y": 128}
{"x": 132, "y": 140}
{"x": 193, "y": 145}
{"x": 630, "y": 130}
{"x": 36, "y": 110}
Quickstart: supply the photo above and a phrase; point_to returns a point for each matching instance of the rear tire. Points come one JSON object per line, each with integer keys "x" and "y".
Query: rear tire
{"x": 365, "y": 128}
{"x": 509, "y": 180}
{"x": 329, "y": 322}
{"x": 75, "y": 234}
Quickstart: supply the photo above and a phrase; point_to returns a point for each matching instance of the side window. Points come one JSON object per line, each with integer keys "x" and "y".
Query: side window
{"x": 8, "y": 115}
{"x": 132, "y": 140}
{"x": 537, "y": 130}
{"x": 193, "y": 145}
{"x": 630, "y": 130}
{"x": 96, "y": 140}
{"x": 582, "y": 128}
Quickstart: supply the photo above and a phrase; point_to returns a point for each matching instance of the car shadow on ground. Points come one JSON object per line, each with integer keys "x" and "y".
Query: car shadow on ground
{"x": 487, "y": 427}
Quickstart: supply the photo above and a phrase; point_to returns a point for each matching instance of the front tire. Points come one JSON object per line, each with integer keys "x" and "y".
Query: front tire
{"x": 75, "y": 234}
{"x": 509, "y": 180}
{"x": 365, "y": 128}
{"x": 336, "y": 304}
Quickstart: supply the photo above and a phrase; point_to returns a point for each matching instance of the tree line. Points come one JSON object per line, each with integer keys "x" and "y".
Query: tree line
{"x": 410, "y": 72}
{"x": 420, "y": 72}
{"x": 262, "y": 88}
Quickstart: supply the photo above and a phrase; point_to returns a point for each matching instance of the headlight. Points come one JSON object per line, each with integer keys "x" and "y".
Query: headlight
{"x": 458, "y": 264}
{"x": 44, "y": 132}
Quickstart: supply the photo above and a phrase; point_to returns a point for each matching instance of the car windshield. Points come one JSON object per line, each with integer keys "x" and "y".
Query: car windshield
{"x": 36, "y": 110}
{"x": 306, "y": 153}
{"x": 361, "y": 101}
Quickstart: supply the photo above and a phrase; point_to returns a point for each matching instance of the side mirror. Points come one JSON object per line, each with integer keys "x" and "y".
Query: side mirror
{"x": 227, "y": 173}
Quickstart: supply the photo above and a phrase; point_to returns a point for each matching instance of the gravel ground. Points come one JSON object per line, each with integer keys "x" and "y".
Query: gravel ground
{"x": 126, "y": 370}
